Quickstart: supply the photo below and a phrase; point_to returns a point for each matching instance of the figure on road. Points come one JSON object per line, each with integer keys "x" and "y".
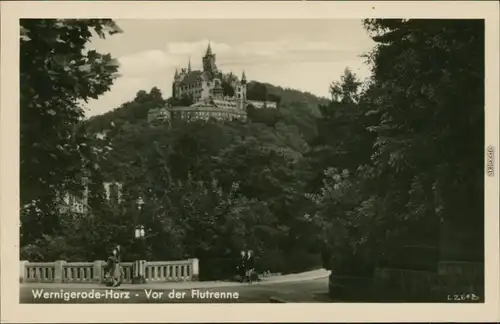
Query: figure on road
{"x": 249, "y": 266}
{"x": 241, "y": 266}
{"x": 114, "y": 272}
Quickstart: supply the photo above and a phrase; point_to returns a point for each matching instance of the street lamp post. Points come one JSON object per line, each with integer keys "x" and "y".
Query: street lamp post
{"x": 139, "y": 235}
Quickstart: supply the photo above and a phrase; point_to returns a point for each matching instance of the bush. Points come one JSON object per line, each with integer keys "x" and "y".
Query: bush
{"x": 301, "y": 261}
{"x": 274, "y": 261}
{"x": 415, "y": 257}
{"x": 218, "y": 268}
{"x": 298, "y": 260}
{"x": 351, "y": 266}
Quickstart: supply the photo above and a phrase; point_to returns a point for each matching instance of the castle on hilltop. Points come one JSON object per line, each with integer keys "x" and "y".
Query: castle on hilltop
{"x": 207, "y": 93}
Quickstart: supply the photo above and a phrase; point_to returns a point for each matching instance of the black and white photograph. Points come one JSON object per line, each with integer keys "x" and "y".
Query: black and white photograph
{"x": 251, "y": 160}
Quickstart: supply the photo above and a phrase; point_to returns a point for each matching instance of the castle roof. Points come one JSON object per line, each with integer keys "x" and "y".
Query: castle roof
{"x": 192, "y": 77}
{"x": 231, "y": 77}
{"x": 209, "y": 50}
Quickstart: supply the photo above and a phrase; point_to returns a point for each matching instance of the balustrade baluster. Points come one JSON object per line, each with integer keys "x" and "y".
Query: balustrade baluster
{"x": 69, "y": 274}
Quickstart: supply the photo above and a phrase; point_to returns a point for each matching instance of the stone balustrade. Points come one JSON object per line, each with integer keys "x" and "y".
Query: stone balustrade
{"x": 93, "y": 272}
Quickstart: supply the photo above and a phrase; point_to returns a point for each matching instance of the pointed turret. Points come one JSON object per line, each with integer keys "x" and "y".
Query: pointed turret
{"x": 189, "y": 65}
{"x": 176, "y": 75}
{"x": 209, "y": 50}
{"x": 243, "y": 77}
{"x": 209, "y": 61}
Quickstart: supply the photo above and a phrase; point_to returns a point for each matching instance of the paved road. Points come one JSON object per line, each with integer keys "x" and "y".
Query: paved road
{"x": 305, "y": 291}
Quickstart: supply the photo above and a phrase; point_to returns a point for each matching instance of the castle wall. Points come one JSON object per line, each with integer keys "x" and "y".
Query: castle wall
{"x": 194, "y": 90}
{"x": 206, "y": 89}
{"x": 206, "y": 112}
{"x": 262, "y": 104}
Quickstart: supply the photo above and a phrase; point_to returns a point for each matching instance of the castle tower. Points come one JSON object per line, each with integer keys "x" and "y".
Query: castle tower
{"x": 209, "y": 49}
{"x": 243, "y": 86}
{"x": 189, "y": 65}
{"x": 243, "y": 78}
{"x": 209, "y": 61}
{"x": 218, "y": 91}
{"x": 242, "y": 92}
{"x": 175, "y": 83}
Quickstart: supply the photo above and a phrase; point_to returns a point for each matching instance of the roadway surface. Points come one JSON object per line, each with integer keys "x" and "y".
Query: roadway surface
{"x": 312, "y": 291}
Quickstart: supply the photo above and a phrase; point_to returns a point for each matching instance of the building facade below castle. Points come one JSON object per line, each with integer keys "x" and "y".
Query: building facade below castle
{"x": 79, "y": 203}
{"x": 207, "y": 93}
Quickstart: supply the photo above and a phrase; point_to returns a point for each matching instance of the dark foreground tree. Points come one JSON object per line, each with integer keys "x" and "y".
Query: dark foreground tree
{"x": 428, "y": 88}
{"x": 57, "y": 74}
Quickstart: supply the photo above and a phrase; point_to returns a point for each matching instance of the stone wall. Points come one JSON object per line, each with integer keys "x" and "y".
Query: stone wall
{"x": 453, "y": 281}
{"x": 401, "y": 285}
{"x": 457, "y": 278}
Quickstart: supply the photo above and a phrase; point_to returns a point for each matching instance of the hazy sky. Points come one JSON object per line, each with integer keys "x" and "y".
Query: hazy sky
{"x": 301, "y": 54}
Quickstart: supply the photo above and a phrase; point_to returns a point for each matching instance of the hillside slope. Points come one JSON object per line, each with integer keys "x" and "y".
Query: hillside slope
{"x": 286, "y": 96}
{"x": 291, "y": 126}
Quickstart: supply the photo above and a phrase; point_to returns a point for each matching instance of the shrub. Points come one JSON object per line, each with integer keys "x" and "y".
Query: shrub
{"x": 301, "y": 260}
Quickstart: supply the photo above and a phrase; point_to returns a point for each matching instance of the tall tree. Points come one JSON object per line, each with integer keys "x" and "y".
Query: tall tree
{"x": 343, "y": 140}
{"x": 429, "y": 79}
{"x": 57, "y": 73}
{"x": 423, "y": 183}
{"x": 347, "y": 89}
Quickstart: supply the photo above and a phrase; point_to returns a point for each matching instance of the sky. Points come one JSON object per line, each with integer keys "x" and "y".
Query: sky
{"x": 303, "y": 54}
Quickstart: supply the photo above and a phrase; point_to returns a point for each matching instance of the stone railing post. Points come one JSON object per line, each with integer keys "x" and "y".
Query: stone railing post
{"x": 98, "y": 271}
{"x": 195, "y": 269}
{"x": 139, "y": 272}
{"x": 23, "y": 271}
{"x": 59, "y": 270}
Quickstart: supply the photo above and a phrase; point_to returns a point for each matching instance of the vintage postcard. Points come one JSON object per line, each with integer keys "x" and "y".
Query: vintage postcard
{"x": 204, "y": 161}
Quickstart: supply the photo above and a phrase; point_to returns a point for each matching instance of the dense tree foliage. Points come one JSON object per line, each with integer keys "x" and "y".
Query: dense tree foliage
{"x": 379, "y": 166}
{"x": 57, "y": 73}
{"x": 421, "y": 182}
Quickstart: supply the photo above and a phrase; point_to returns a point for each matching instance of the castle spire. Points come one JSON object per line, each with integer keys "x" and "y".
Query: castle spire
{"x": 176, "y": 73}
{"x": 209, "y": 49}
{"x": 243, "y": 77}
{"x": 189, "y": 65}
